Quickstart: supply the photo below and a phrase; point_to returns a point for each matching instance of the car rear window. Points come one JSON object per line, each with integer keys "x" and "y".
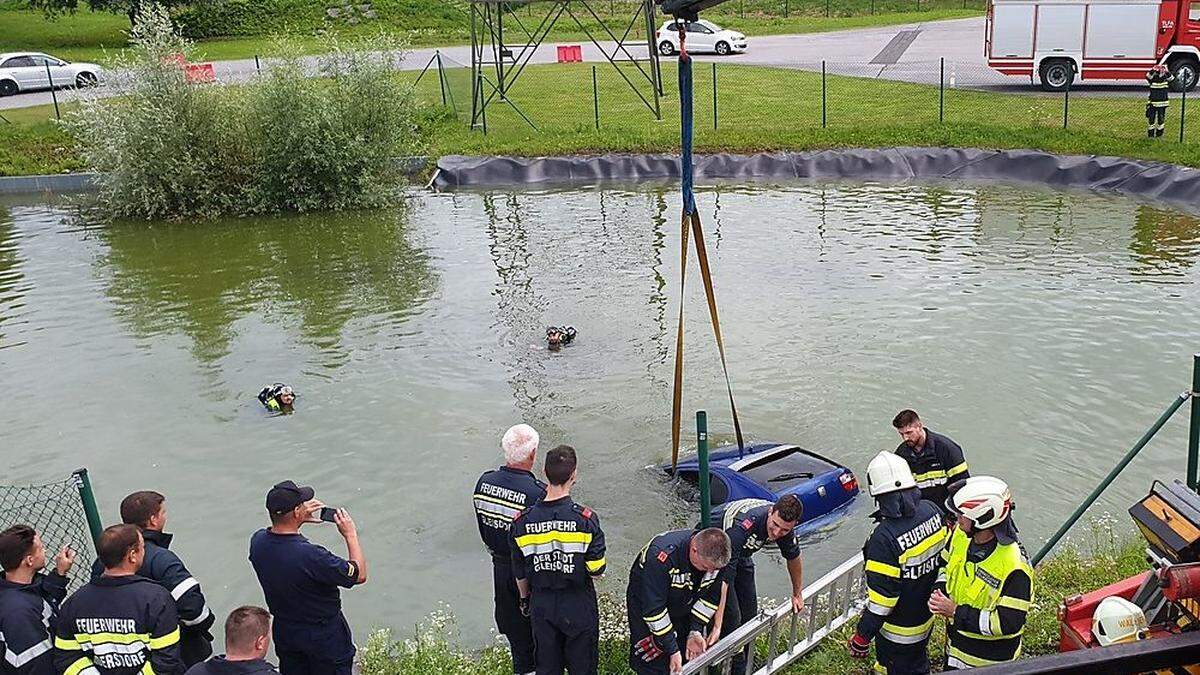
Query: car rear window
{"x": 780, "y": 472}
{"x": 18, "y": 62}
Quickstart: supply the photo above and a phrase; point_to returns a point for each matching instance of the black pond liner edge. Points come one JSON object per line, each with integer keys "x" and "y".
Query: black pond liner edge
{"x": 1154, "y": 181}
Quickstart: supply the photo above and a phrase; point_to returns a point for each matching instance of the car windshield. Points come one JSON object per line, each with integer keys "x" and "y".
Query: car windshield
{"x": 778, "y": 473}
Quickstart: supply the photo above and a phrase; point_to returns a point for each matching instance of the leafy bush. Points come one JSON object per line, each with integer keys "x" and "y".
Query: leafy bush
{"x": 284, "y": 142}
{"x": 217, "y": 18}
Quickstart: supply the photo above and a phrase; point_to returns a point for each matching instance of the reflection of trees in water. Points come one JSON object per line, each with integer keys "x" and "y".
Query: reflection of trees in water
{"x": 659, "y": 349}
{"x": 11, "y": 278}
{"x": 1163, "y": 243}
{"x": 324, "y": 270}
{"x": 519, "y": 310}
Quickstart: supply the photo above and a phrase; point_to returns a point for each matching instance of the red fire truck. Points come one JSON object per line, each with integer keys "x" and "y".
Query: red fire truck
{"x": 1061, "y": 40}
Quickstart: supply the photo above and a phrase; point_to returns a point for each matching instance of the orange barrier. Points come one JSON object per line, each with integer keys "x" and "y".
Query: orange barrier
{"x": 570, "y": 54}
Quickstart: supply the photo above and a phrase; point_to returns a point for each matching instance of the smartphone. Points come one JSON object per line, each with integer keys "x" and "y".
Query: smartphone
{"x": 327, "y": 514}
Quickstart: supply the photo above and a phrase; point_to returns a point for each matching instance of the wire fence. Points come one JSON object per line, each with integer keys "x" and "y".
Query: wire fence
{"x": 793, "y": 99}
{"x": 57, "y": 511}
{"x": 743, "y": 9}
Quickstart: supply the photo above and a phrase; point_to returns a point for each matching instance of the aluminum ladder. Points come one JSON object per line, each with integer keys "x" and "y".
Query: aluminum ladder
{"x": 829, "y": 603}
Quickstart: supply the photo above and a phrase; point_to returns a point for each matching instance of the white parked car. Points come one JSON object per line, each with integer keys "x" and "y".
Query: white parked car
{"x": 702, "y": 36}
{"x": 28, "y": 71}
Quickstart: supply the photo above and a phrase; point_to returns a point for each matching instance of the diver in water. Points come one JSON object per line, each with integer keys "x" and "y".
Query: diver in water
{"x": 278, "y": 397}
{"x": 556, "y": 337}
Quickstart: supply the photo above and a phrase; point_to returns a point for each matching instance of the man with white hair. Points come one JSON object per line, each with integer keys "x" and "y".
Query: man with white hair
{"x": 500, "y": 496}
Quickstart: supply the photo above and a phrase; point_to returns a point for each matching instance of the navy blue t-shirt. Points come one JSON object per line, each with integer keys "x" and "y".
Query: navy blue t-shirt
{"x": 300, "y": 579}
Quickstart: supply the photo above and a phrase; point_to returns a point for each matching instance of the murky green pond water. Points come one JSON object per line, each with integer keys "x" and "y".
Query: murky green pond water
{"x": 1042, "y": 330}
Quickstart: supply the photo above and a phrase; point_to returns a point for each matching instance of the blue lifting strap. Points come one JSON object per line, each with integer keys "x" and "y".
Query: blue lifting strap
{"x": 691, "y": 220}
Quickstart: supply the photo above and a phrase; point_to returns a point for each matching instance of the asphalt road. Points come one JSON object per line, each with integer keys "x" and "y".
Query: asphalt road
{"x": 908, "y": 53}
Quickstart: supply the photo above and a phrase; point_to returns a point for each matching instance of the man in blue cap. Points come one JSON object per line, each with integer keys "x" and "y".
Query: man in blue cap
{"x": 301, "y": 581}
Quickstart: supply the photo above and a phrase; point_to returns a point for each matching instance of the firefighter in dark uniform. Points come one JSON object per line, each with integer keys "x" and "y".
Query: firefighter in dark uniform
{"x": 147, "y": 510}
{"x": 935, "y": 460}
{"x": 301, "y": 582}
{"x": 501, "y": 495}
{"x": 558, "y": 548}
{"x": 121, "y": 623}
{"x": 902, "y": 559}
{"x": 752, "y": 524}
{"x": 986, "y": 586}
{"x": 29, "y": 601}
{"x": 673, "y": 593}
{"x": 1159, "y": 79}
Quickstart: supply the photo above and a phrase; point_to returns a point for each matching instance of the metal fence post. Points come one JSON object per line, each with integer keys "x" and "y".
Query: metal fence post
{"x": 89, "y": 503}
{"x": 823, "y": 114}
{"x": 1182, "y": 114}
{"x": 1193, "y": 479}
{"x": 482, "y": 104}
{"x": 441, "y": 75}
{"x": 942, "y": 91}
{"x": 714, "y": 68}
{"x": 1158, "y": 424}
{"x": 785, "y": 9}
{"x": 826, "y": 9}
{"x": 872, "y": 7}
{"x": 257, "y": 65}
{"x": 596, "y": 98}
{"x": 702, "y": 456}
{"x": 1066, "y": 103}
{"x": 53, "y": 94}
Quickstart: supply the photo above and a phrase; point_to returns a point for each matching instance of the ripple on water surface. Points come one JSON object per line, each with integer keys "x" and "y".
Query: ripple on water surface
{"x": 1043, "y": 330}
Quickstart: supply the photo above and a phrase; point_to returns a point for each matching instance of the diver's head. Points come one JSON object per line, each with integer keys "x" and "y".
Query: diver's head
{"x": 286, "y": 395}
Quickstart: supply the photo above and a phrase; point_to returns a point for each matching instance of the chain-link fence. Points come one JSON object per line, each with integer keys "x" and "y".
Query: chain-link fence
{"x": 794, "y": 101}
{"x": 60, "y": 513}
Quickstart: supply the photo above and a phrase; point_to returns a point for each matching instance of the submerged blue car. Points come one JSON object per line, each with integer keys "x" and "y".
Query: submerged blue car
{"x": 771, "y": 470}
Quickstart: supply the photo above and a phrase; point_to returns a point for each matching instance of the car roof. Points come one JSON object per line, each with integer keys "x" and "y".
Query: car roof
{"x": 8, "y": 55}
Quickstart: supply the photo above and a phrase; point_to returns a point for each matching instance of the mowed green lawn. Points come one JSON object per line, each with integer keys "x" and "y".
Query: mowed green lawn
{"x": 757, "y": 109}
{"x": 760, "y": 108}
{"x": 96, "y": 36}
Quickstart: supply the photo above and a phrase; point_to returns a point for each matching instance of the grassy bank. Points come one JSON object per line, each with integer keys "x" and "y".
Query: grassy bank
{"x": 757, "y": 109}
{"x": 94, "y": 36}
{"x": 435, "y": 647}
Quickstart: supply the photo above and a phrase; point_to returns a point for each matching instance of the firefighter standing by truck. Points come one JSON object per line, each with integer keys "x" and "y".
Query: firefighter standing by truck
{"x": 1159, "y": 79}
{"x": 558, "y": 549}
{"x": 674, "y": 588}
{"x": 986, "y": 586}
{"x": 902, "y": 559}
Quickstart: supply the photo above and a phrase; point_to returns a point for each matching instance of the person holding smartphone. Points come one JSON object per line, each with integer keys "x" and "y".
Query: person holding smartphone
{"x": 301, "y": 582}
{"x": 29, "y": 601}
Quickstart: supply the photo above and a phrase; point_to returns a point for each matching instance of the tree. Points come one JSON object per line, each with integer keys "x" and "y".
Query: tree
{"x": 129, "y": 8}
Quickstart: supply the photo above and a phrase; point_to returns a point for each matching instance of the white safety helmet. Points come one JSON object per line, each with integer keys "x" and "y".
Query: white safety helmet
{"x": 1118, "y": 620}
{"x": 888, "y": 473}
{"x": 984, "y": 500}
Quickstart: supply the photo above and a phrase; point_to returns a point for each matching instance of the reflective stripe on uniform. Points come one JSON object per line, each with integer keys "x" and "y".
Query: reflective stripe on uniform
{"x": 183, "y": 587}
{"x": 880, "y": 604}
{"x": 930, "y": 478}
{"x": 879, "y": 668}
{"x": 954, "y": 471}
{"x": 147, "y": 669}
{"x": 204, "y": 614}
{"x": 496, "y": 507}
{"x": 924, "y": 550}
{"x": 882, "y": 568}
{"x": 957, "y": 658}
{"x": 66, "y": 645}
{"x": 554, "y": 540}
{"x": 17, "y": 660}
{"x": 596, "y": 565}
{"x": 1014, "y": 603}
{"x": 906, "y": 635}
{"x": 165, "y": 640}
{"x": 704, "y": 610}
{"x": 80, "y": 666}
{"x": 659, "y": 624}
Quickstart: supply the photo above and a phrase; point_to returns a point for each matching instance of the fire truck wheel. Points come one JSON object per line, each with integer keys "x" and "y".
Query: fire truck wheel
{"x": 1057, "y": 74}
{"x": 1185, "y": 71}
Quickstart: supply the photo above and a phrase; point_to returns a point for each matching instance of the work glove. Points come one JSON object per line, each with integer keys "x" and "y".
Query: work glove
{"x": 523, "y": 605}
{"x": 647, "y": 650}
{"x": 859, "y": 646}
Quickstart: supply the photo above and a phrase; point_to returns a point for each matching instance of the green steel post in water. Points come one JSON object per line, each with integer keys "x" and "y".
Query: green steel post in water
{"x": 1193, "y": 478}
{"x": 1162, "y": 419}
{"x": 89, "y": 503}
{"x": 702, "y": 454}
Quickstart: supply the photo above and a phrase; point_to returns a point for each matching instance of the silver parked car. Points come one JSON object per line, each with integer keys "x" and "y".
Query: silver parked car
{"x": 29, "y": 71}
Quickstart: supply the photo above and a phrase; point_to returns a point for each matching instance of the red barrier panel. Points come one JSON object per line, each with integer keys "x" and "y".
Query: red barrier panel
{"x": 196, "y": 73}
{"x": 570, "y": 54}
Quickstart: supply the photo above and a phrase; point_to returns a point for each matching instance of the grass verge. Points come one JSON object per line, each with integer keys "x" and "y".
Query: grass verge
{"x": 95, "y": 36}
{"x": 434, "y": 647}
